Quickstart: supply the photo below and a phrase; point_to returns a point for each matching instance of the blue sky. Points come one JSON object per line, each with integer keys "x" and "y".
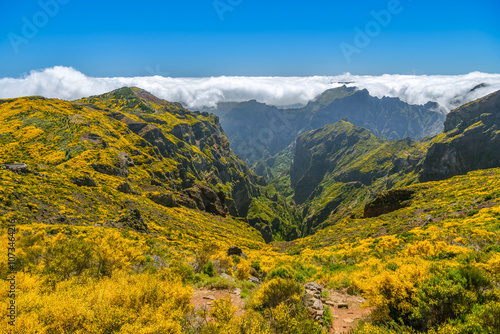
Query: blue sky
{"x": 190, "y": 38}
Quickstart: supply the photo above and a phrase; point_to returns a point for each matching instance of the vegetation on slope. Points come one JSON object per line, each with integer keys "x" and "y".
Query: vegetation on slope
{"x": 94, "y": 256}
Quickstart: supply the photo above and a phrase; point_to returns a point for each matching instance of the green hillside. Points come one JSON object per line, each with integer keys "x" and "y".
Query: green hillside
{"x": 125, "y": 207}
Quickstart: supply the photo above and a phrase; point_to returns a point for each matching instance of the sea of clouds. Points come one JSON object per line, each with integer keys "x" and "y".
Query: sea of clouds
{"x": 450, "y": 91}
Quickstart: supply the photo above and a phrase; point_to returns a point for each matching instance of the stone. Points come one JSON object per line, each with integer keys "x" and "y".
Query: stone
{"x": 163, "y": 199}
{"x": 254, "y": 280}
{"x": 226, "y": 276}
{"x": 209, "y": 297}
{"x": 125, "y": 188}
{"x": 135, "y": 221}
{"x": 84, "y": 181}
{"x": 388, "y": 201}
{"x": 208, "y": 200}
{"x": 317, "y": 304}
{"x": 342, "y": 305}
{"x": 313, "y": 286}
{"x": 234, "y": 250}
{"x": 110, "y": 170}
{"x": 15, "y": 166}
{"x": 94, "y": 138}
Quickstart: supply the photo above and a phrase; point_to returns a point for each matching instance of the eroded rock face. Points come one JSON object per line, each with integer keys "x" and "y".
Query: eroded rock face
{"x": 208, "y": 200}
{"x": 471, "y": 141}
{"x": 182, "y": 142}
{"x": 389, "y": 201}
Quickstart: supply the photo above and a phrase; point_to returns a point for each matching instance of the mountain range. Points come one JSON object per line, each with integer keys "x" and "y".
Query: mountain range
{"x": 258, "y": 132}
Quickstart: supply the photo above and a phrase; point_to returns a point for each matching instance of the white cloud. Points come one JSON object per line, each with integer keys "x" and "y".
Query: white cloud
{"x": 70, "y": 84}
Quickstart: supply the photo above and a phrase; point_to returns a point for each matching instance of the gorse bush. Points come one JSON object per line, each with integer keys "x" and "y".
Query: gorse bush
{"x": 277, "y": 291}
{"x": 125, "y": 303}
{"x": 243, "y": 270}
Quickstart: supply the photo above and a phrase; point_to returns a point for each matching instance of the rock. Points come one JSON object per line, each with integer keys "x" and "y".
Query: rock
{"x": 84, "y": 181}
{"x": 389, "y": 201}
{"x": 156, "y": 183}
{"x": 164, "y": 199}
{"x": 343, "y": 305}
{"x": 15, "y": 166}
{"x": 134, "y": 220}
{"x": 264, "y": 229}
{"x": 125, "y": 188}
{"x": 234, "y": 250}
{"x": 226, "y": 276}
{"x": 317, "y": 304}
{"x": 208, "y": 200}
{"x": 330, "y": 303}
{"x": 94, "y": 138}
{"x": 313, "y": 286}
{"x": 19, "y": 168}
{"x": 254, "y": 280}
{"x": 110, "y": 170}
{"x": 209, "y": 297}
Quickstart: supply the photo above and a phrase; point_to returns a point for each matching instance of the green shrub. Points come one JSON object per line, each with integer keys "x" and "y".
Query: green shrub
{"x": 217, "y": 283}
{"x": 282, "y": 272}
{"x": 256, "y": 266}
{"x": 328, "y": 317}
{"x": 208, "y": 269}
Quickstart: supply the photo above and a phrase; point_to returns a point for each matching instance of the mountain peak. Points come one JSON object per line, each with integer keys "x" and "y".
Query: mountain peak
{"x": 132, "y": 98}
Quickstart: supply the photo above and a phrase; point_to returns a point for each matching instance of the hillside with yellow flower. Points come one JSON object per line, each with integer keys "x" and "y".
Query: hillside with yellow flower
{"x": 125, "y": 205}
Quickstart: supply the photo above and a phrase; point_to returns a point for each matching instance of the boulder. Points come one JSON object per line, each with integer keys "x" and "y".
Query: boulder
{"x": 110, "y": 170}
{"x": 164, "y": 199}
{"x": 208, "y": 200}
{"x": 389, "y": 201}
{"x": 84, "y": 181}
{"x": 134, "y": 220}
{"x": 254, "y": 280}
{"x": 226, "y": 276}
{"x": 234, "y": 250}
{"x": 126, "y": 189}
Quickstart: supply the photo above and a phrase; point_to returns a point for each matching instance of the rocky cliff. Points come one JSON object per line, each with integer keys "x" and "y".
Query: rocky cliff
{"x": 470, "y": 141}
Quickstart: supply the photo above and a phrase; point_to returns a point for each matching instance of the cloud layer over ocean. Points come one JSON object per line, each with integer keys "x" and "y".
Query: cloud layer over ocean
{"x": 70, "y": 84}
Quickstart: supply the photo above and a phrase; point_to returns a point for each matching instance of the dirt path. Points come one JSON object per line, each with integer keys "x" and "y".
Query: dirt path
{"x": 204, "y": 298}
{"x": 346, "y": 310}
